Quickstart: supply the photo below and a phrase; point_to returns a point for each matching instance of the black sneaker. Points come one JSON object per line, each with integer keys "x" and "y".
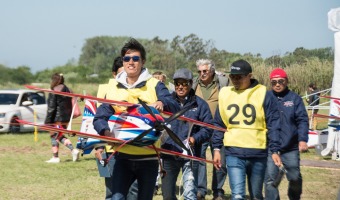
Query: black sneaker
{"x": 218, "y": 197}
{"x": 155, "y": 192}
{"x": 200, "y": 196}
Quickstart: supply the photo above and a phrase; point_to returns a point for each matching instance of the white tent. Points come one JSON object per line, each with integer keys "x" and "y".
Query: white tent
{"x": 333, "y": 142}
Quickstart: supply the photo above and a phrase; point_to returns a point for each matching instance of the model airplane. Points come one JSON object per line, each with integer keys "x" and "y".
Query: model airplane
{"x": 139, "y": 125}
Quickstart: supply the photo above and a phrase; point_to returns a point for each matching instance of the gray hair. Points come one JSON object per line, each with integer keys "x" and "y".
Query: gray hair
{"x": 208, "y": 62}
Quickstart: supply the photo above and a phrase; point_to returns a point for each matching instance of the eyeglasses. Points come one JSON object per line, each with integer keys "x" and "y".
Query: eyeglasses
{"x": 204, "y": 71}
{"x": 236, "y": 77}
{"x": 280, "y": 81}
{"x": 184, "y": 84}
{"x": 128, "y": 58}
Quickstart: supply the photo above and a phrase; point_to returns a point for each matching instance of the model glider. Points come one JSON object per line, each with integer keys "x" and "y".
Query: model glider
{"x": 111, "y": 140}
{"x": 139, "y": 125}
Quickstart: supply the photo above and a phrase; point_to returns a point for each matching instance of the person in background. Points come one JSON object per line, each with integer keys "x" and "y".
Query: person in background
{"x": 59, "y": 110}
{"x": 313, "y": 100}
{"x": 117, "y": 66}
{"x": 249, "y": 116}
{"x": 132, "y": 162}
{"x": 198, "y": 110}
{"x": 160, "y": 76}
{"x": 207, "y": 86}
{"x": 285, "y": 145}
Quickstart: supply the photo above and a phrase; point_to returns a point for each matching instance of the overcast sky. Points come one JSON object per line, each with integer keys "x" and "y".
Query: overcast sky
{"x": 44, "y": 33}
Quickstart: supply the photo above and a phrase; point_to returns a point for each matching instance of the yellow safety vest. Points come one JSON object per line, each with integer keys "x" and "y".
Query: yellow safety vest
{"x": 101, "y": 93}
{"x": 243, "y": 114}
{"x": 146, "y": 93}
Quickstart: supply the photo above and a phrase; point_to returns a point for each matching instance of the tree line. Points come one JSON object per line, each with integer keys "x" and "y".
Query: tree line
{"x": 97, "y": 55}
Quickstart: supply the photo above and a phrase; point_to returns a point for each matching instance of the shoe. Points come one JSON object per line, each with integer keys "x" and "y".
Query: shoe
{"x": 53, "y": 160}
{"x": 218, "y": 197}
{"x": 156, "y": 190}
{"x": 200, "y": 196}
{"x": 75, "y": 154}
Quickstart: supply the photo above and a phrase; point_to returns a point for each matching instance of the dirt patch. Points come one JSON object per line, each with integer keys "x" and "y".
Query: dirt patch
{"x": 13, "y": 149}
{"x": 321, "y": 163}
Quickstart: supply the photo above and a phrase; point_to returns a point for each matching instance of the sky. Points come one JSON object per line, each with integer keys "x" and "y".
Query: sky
{"x": 44, "y": 34}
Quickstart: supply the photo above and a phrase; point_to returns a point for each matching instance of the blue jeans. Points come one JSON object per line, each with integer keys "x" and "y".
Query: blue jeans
{"x": 291, "y": 161}
{"x": 239, "y": 169}
{"x": 124, "y": 174}
{"x": 108, "y": 180}
{"x": 219, "y": 176}
{"x": 189, "y": 173}
{"x": 133, "y": 191}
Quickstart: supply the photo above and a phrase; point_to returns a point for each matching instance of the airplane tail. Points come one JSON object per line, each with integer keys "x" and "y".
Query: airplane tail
{"x": 88, "y": 144}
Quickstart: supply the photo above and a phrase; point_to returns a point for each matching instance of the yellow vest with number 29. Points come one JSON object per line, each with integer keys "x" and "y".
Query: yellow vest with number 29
{"x": 243, "y": 114}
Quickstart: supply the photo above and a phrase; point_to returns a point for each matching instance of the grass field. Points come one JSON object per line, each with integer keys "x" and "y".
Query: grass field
{"x": 25, "y": 175}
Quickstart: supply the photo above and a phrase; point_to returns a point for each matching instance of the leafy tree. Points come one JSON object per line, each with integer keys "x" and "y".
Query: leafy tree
{"x": 22, "y": 75}
{"x": 99, "y": 53}
{"x": 4, "y": 74}
{"x": 192, "y": 48}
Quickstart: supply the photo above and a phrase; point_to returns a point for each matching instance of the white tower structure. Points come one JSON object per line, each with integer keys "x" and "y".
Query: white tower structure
{"x": 333, "y": 142}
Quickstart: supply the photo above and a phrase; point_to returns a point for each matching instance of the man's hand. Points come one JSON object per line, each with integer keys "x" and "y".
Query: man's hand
{"x": 108, "y": 133}
{"x": 217, "y": 159}
{"x": 277, "y": 160}
{"x": 158, "y": 105}
{"x": 98, "y": 154}
{"x": 303, "y": 146}
{"x": 191, "y": 141}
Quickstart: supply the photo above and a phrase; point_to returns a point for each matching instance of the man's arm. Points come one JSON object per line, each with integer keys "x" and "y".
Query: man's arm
{"x": 217, "y": 137}
{"x": 273, "y": 127}
{"x": 301, "y": 120}
{"x": 100, "y": 121}
{"x": 273, "y": 123}
{"x": 163, "y": 95}
{"x": 205, "y": 116}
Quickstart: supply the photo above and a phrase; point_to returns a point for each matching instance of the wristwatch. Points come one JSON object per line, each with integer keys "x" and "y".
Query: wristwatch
{"x": 102, "y": 162}
{"x": 276, "y": 152}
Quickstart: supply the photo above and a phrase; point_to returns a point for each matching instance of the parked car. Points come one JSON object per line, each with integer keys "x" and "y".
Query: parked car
{"x": 21, "y": 104}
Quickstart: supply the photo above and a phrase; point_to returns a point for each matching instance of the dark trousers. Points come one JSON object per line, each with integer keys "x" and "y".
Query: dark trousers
{"x": 219, "y": 176}
{"x": 291, "y": 161}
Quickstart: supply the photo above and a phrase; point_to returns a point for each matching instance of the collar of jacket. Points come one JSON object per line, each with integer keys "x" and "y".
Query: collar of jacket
{"x": 139, "y": 85}
{"x": 191, "y": 98}
{"x": 281, "y": 94}
{"x": 253, "y": 83}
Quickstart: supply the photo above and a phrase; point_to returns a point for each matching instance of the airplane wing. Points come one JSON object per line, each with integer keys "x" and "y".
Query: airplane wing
{"x": 195, "y": 122}
{"x": 326, "y": 116}
{"x": 113, "y": 140}
{"x": 119, "y": 103}
{"x": 329, "y": 97}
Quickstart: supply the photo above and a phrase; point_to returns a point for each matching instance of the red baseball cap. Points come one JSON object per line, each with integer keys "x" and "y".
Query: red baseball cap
{"x": 278, "y": 73}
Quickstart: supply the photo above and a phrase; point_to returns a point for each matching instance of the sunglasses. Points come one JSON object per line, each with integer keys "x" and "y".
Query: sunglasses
{"x": 236, "y": 77}
{"x": 128, "y": 58}
{"x": 280, "y": 81}
{"x": 203, "y": 71}
{"x": 184, "y": 84}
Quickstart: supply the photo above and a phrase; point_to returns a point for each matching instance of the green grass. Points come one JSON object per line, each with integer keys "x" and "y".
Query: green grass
{"x": 25, "y": 175}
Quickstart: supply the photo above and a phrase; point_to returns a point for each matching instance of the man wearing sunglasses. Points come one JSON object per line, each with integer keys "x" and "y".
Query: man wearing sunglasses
{"x": 103, "y": 152}
{"x": 192, "y": 137}
{"x": 248, "y": 115}
{"x": 131, "y": 162}
{"x": 207, "y": 86}
{"x": 285, "y": 147}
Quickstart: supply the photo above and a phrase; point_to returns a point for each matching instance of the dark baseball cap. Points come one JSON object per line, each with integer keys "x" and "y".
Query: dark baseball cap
{"x": 240, "y": 67}
{"x": 183, "y": 73}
